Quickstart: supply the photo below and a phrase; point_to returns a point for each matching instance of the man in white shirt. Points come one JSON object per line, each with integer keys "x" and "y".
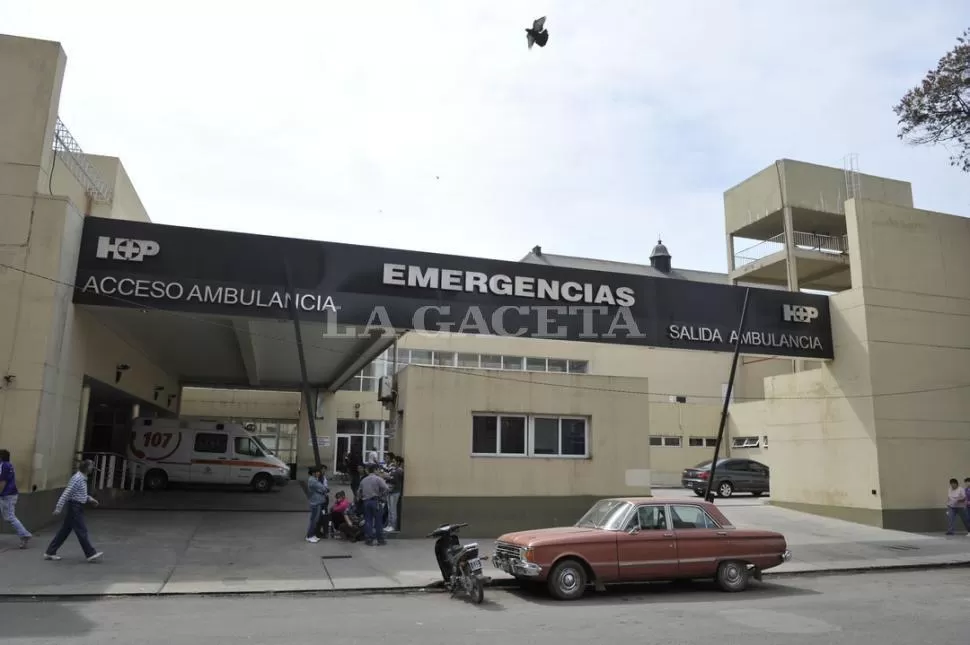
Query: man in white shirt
{"x": 956, "y": 506}
{"x": 73, "y": 499}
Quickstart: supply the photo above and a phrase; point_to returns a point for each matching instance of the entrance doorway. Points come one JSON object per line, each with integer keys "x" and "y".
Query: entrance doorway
{"x": 358, "y": 434}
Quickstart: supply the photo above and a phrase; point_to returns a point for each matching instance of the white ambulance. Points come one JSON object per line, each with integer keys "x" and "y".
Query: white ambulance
{"x": 202, "y": 452}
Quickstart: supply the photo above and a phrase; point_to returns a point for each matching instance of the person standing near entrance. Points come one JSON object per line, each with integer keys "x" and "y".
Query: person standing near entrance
{"x": 72, "y": 502}
{"x": 354, "y": 463}
{"x": 372, "y": 489}
{"x": 318, "y": 500}
{"x": 8, "y": 498}
{"x": 396, "y": 478}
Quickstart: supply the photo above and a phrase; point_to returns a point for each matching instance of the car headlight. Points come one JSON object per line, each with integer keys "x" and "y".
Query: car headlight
{"x": 525, "y": 553}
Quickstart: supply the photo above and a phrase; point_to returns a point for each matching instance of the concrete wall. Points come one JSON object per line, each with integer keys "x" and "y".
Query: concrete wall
{"x": 495, "y": 494}
{"x": 874, "y": 435}
{"x": 216, "y": 403}
{"x": 913, "y": 266}
{"x": 47, "y": 347}
{"x": 804, "y": 186}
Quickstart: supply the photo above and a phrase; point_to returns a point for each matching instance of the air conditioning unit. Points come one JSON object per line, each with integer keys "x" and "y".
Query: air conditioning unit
{"x": 385, "y": 389}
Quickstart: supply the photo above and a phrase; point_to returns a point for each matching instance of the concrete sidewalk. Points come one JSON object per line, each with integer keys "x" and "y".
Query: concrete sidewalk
{"x": 161, "y": 553}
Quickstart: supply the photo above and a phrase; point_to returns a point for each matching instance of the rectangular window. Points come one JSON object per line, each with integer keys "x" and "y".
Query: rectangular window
{"x": 491, "y": 362}
{"x": 535, "y": 364}
{"x": 578, "y": 367}
{"x": 444, "y": 359}
{"x": 403, "y": 357}
{"x": 557, "y": 365}
{"x": 656, "y": 441}
{"x": 468, "y": 360}
{"x": 696, "y": 442}
{"x": 421, "y": 357}
{"x": 745, "y": 442}
{"x": 710, "y": 442}
{"x": 247, "y": 447}
{"x": 512, "y": 363}
{"x": 211, "y": 442}
{"x": 494, "y": 434}
{"x": 672, "y": 442}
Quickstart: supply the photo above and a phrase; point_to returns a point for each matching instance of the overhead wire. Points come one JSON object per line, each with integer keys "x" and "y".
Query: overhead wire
{"x": 500, "y": 374}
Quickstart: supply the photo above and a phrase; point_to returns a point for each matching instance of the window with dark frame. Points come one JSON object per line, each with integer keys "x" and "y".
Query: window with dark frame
{"x": 494, "y": 434}
{"x": 211, "y": 442}
{"x": 533, "y": 436}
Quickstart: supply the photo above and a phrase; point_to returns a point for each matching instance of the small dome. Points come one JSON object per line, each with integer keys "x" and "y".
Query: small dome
{"x": 660, "y": 251}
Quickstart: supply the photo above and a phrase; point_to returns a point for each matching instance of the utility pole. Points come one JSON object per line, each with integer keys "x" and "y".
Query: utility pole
{"x": 709, "y": 495}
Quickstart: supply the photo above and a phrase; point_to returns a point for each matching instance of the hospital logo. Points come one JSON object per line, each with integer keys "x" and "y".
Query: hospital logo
{"x": 798, "y": 313}
{"x": 125, "y": 249}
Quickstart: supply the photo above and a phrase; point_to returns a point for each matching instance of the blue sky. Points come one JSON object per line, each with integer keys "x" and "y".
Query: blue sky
{"x": 429, "y": 125}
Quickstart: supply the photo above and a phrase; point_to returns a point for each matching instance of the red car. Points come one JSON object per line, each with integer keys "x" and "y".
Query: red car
{"x": 640, "y": 539}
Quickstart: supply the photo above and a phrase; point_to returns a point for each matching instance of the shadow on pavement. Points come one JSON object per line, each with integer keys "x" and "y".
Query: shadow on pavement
{"x": 679, "y": 592}
{"x": 52, "y": 621}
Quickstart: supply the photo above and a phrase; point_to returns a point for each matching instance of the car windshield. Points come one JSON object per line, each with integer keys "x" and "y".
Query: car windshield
{"x": 266, "y": 451}
{"x": 605, "y": 514}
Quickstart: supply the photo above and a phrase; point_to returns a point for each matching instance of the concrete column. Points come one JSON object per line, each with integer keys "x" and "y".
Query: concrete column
{"x": 790, "y": 262}
{"x": 82, "y": 418}
{"x": 729, "y": 243}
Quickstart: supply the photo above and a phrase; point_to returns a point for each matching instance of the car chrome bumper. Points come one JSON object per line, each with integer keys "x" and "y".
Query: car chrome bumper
{"x": 516, "y": 567}
{"x": 786, "y": 556}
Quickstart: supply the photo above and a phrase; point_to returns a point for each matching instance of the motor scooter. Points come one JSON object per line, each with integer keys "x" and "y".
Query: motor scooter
{"x": 460, "y": 565}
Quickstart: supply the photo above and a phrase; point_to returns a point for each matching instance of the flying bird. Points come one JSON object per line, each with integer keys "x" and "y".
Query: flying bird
{"x": 538, "y": 35}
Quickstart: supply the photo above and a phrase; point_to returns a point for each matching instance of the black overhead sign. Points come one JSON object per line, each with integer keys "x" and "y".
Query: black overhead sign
{"x": 153, "y": 266}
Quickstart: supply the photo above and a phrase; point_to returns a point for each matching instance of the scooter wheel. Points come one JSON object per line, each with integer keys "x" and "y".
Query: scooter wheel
{"x": 478, "y": 591}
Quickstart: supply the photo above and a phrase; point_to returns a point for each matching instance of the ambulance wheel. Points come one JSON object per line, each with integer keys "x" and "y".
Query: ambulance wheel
{"x": 262, "y": 483}
{"x": 156, "y": 480}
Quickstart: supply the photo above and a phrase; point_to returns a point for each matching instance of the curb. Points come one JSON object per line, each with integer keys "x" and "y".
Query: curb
{"x": 436, "y": 587}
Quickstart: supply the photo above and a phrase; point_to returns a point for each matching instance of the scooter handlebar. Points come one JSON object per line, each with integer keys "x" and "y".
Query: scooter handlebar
{"x": 444, "y": 529}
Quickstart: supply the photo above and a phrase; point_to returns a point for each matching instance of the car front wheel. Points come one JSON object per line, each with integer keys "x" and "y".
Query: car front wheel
{"x": 262, "y": 483}
{"x": 732, "y": 576}
{"x": 567, "y": 581}
{"x": 725, "y": 489}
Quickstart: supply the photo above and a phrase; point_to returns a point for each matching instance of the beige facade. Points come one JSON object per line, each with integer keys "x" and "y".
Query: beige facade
{"x": 870, "y": 436}
{"x": 50, "y": 352}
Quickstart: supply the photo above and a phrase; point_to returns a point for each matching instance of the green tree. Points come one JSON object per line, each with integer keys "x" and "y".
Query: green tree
{"x": 937, "y": 111}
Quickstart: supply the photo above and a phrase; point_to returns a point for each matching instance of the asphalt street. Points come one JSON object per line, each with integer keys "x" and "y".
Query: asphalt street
{"x": 883, "y": 608}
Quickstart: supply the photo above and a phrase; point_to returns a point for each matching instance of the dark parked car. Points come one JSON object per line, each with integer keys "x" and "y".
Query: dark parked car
{"x": 732, "y": 475}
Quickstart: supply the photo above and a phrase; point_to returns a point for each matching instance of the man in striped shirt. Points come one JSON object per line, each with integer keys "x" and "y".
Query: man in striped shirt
{"x": 74, "y": 497}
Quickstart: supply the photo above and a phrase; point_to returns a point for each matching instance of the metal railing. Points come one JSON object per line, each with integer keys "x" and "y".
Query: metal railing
{"x": 68, "y": 150}
{"x": 829, "y": 244}
{"x": 113, "y": 471}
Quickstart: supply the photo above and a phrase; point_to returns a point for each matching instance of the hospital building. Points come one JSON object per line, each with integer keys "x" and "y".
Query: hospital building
{"x": 585, "y": 378}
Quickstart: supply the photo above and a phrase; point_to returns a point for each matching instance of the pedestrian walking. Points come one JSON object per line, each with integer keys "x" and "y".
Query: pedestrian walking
{"x": 372, "y": 489}
{"x": 318, "y": 500}
{"x": 71, "y": 503}
{"x": 956, "y": 506}
{"x": 8, "y": 498}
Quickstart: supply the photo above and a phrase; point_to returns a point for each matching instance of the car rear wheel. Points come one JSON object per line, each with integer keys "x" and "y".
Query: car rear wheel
{"x": 156, "y": 480}
{"x": 732, "y": 576}
{"x": 725, "y": 489}
{"x": 567, "y": 581}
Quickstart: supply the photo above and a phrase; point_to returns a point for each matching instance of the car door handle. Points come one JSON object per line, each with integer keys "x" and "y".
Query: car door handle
{"x": 722, "y": 533}
{"x": 668, "y": 535}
